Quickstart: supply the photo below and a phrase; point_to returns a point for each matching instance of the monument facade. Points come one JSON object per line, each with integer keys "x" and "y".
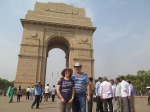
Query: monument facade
{"x": 54, "y": 25}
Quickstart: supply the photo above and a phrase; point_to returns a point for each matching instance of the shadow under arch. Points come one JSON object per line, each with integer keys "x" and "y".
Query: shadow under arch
{"x": 61, "y": 43}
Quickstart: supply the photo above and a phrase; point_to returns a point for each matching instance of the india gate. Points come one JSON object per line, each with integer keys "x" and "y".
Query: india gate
{"x": 54, "y": 25}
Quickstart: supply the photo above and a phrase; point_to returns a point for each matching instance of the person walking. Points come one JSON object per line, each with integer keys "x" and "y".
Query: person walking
{"x": 125, "y": 89}
{"x": 82, "y": 84}
{"x": 90, "y": 103}
{"x": 106, "y": 94}
{"x": 65, "y": 91}
{"x": 37, "y": 95}
{"x": 46, "y": 93}
{"x": 99, "y": 103}
{"x": 19, "y": 93}
{"x": 131, "y": 94}
{"x": 11, "y": 94}
{"x": 53, "y": 92}
{"x": 32, "y": 92}
{"x": 118, "y": 95}
{"x": 28, "y": 93}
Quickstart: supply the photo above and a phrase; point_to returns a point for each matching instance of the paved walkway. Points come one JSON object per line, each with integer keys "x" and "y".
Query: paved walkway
{"x": 24, "y": 105}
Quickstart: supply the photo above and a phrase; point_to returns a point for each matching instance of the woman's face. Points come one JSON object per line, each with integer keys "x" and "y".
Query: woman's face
{"x": 67, "y": 73}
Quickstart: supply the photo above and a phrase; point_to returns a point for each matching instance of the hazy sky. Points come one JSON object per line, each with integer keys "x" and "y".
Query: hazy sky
{"x": 121, "y": 41}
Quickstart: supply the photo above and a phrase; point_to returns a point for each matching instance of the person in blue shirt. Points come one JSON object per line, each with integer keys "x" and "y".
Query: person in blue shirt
{"x": 37, "y": 95}
{"x": 99, "y": 105}
{"x": 82, "y": 89}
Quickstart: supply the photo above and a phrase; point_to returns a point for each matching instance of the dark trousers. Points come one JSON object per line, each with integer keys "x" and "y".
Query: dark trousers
{"x": 27, "y": 95}
{"x": 36, "y": 101}
{"x": 99, "y": 106}
{"x": 41, "y": 98}
{"x": 109, "y": 102}
{"x": 79, "y": 103}
{"x": 148, "y": 100}
{"x": 53, "y": 97}
{"x": 90, "y": 104}
{"x": 18, "y": 97}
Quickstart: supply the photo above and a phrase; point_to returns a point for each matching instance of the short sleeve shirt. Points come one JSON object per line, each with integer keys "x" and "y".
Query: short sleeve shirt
{"x": 66, "y": 88}
{"x": 80, "y": 82}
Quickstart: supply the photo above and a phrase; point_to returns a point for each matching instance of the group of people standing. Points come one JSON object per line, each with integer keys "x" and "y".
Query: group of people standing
{"x": 107, "y": 93}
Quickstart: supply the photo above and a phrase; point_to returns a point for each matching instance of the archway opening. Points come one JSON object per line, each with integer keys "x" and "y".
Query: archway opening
{"x": 56, "y": 62}
{"x": 57, "y": 58}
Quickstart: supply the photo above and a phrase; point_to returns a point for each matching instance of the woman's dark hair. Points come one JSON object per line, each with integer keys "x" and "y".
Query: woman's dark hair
{"x": 19, "y": 88}
{"x": 64, "y": 74}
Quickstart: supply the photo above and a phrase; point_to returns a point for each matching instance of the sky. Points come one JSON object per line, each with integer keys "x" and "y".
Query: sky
{"x": 121, "y": 40}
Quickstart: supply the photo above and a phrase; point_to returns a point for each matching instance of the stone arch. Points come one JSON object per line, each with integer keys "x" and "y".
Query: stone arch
{"x": 58, "y": 42}
{"x": 56, "y": 27}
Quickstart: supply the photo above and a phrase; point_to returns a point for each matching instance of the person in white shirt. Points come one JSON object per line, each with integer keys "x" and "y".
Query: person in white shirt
{"x": 27, "y": 93}
{"x": 106, "y": 94}
{"x": 32, "y": 91}
{"x": 125, "y": 90}
{"x": 113, "y": 89}
{"x": 46, "y": 93}
{"x": 53, "y": 92}
{"x": 99, "y": 105}
{"x": 118, "y": 95}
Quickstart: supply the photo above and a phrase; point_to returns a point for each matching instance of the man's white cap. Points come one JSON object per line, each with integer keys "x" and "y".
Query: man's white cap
{"x": 77, "y": 64}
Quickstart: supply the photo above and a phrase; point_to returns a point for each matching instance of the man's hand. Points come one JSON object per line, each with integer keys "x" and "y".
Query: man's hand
{"x": 129, "y": 97}
{"x": 88, "y": 98}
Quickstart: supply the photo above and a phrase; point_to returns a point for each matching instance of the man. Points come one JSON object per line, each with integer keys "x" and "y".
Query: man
{"x": 131, "y": 94}
{"x": 46, "y": 93}
{"x": 118, "y": 95}
{"x": 28, "y": 93}
{"x": 125, "y": 89}
{"x": 53, "y": 92}
{"x": 113, "y": 89}
{"x": 99, "y": 106}
{"x": 90, "y": 103}
{"x": 81, "y": 83}
{"x": 32, "y": 92}
{"x": 106, "y": 94}
{"x": 37, "y": 95}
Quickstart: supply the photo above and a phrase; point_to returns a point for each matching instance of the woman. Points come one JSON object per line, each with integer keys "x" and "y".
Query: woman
{"x": 19, "y": 93}
{"x": 11, "y": 93}
{"x": 65, "y": 91}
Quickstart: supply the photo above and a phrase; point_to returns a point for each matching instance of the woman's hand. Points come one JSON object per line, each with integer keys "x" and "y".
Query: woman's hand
{"x": 62, "y": 100}
{"x": 70, "y": 101}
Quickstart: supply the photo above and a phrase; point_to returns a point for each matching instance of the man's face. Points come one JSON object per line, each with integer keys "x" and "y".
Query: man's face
{"x": 112, "y": 82}
{"x": 101, "y": 80}
{"x": 78, "y": 69}
{"x": 117, "y": 81}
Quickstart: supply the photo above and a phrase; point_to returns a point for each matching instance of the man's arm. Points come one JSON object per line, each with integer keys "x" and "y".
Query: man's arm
{"x": 88, "y": 91}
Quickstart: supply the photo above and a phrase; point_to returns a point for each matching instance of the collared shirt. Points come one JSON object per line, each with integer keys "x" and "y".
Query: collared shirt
{"x": 113, "y": 89}
{"x": 97, "y": 90}
{"x": 28, "y": 90}
{"x": 131, "y": 93}
{"x": 106, "y": 90}
{"x": 80, "y": 82}
{"x": 38, "y": 90}
{"x": 53, "y": 91}
{"x": 118, "y": 90}
{"x": 125, "y": 89}
{"x": 47, "y": 89}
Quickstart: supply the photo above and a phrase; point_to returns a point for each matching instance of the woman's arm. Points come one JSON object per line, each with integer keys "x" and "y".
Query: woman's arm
{"x": 59, "y": 94}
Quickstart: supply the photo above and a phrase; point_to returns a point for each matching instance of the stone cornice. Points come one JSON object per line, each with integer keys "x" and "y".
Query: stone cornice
{"x": 83, "y": 59}
{"x": 24, "y": 21}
